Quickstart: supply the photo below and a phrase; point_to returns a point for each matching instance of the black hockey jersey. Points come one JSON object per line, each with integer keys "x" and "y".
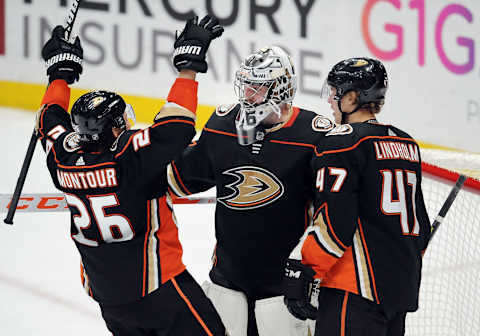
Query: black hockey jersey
{"x": 121, "y": 215}
{"x": 370, "y": 222}
{"x": 263, "y": 191}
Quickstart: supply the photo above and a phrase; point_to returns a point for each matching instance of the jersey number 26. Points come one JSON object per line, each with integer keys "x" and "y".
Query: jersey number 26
{"x": 113, "y": 228}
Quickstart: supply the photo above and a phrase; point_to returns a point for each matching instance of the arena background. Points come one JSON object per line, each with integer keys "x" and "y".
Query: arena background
{"x": 430, "y": 49}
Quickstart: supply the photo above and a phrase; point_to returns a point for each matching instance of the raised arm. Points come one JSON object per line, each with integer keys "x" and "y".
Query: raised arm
{"x": 64, "y": 66}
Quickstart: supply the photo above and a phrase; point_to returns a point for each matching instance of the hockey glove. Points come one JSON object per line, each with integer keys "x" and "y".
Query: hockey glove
{"x": 298, "y": 287}
{"x": 192, "y": 44}
{"x": 62, "y": 58}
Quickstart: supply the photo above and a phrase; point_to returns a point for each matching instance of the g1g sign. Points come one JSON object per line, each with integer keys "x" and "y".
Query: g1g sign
{"x": 419, "y": 6}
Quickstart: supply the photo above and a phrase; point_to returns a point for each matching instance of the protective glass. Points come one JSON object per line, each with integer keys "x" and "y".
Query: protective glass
{"x": 130, "y": 114}
{"x": 327, "y": 91}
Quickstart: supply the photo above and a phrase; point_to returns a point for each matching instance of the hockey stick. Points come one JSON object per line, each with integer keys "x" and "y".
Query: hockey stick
{"x": 72, "y": 15}
{"x": 55, "y": 202}
{"x": 446, "y": 205}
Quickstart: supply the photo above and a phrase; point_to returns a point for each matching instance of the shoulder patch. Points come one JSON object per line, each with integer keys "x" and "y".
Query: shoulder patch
{"x": 71, "y": 143}
{"x": 341, "y": 130}
{"x": 322, "y": 124}
{"x": 223, "y": 110}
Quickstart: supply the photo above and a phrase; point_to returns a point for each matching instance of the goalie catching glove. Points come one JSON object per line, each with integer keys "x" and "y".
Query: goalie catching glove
{"x": 62, "y": 58}
{"x": 192, "y": 44}
{"x": 298, "y": 288}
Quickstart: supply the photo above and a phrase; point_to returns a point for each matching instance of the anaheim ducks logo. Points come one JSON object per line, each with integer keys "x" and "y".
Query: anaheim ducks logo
{"x": 254, "y": 187}
{"x": 96, "y": 101}
{"x": 322, "y": 124}
{"x": 71, "y": 142}
{"x": 360, "y": 63}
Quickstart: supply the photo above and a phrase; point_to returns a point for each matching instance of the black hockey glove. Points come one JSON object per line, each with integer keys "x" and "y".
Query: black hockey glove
{"x": 192, "y": 44}
{"x": 298, "y": 287}
{"x": 62, "y": 58}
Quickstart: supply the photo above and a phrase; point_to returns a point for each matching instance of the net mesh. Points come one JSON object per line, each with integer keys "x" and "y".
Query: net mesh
{"x": 449, "y": 294}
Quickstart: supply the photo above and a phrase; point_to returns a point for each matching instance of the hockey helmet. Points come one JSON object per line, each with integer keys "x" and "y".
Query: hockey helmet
{"x": 366, "y": 76}
{"x": 264, "y": 82}
{"x": 95, "y": 113}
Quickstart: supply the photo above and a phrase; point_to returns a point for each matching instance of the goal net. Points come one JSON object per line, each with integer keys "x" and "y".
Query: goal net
{"x": 449, "y": 293}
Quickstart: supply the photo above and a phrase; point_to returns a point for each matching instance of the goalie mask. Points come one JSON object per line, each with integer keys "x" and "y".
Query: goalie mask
{"x": 366, "y": 76}
{"x": 95, "y": 114}
{"x": 264, "y": 82}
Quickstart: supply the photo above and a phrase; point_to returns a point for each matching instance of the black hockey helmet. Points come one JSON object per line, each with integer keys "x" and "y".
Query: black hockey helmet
{"x": 366, "y": 76}
{"x": 95, "y": 113}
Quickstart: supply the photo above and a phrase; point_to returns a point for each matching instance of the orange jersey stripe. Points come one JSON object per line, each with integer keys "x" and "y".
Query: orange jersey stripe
{"x": 293, "y": 143}
{"x": 219, "y": 132}
{"x": 192, "y": 309}
{"x": 160, "y": 123}
{"x": 362, "y": 140}
{"x": 293, "y": 117}
{"x": 170, "y": 249}
{"x": 82, "y": 277}
{"x": 153, "y": 126}
{"x": 86, "y": 167}
{"x": 179, "y": 179}
{"x": 126, "y": 146}
{"x": 55, "y": 155}
{"x": 344, "y": 314}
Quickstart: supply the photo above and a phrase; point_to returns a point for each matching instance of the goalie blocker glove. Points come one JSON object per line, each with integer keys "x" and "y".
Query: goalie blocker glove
{"x": 192, "y": 44}
{"x": 62, "y": 58}
{"x": 298, "y": 287}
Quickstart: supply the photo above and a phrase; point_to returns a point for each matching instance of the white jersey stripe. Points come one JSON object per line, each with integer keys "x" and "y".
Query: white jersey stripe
{"x": 362, "y": 269}
{"x": 152, "y": 248}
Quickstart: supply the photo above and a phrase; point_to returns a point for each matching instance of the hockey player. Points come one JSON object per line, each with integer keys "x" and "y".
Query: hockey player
{"x": 114, "y": 183}
{"x": 370, "y": 223}
{"x": 257, "y": 154}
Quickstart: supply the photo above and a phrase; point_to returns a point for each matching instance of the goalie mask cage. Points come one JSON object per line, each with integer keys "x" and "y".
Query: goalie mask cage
{"x": 449, "y": 299}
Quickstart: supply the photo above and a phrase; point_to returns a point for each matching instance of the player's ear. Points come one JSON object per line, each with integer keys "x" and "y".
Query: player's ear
{"x": 351, "y": 97}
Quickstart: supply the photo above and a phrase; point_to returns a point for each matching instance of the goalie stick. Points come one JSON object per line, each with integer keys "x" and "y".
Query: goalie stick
{"x": 72, "y": 15}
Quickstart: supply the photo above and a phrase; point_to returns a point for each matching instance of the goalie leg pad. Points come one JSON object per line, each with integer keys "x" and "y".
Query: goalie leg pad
{"x": 231, "y": 305}
{"x": 273, "y": 318}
